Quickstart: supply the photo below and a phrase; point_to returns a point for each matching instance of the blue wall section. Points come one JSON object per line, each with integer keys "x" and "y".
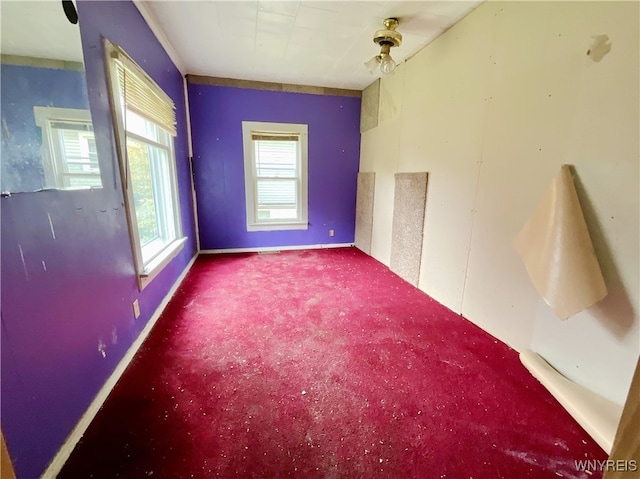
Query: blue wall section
{"x": 67, "y": 276}
{"x": 217, "y": 114}
{"x": 24, "y": 87}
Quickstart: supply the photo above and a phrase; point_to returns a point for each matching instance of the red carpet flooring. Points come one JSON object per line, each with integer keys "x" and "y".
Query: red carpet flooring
{"x": 324, "y": 364}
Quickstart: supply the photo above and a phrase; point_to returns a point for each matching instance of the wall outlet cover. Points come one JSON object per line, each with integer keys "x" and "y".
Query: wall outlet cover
{"x": 136, "y": 309}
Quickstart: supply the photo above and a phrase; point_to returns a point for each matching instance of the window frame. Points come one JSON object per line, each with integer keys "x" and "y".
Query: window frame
{"x": 145, "y": 271}
{"x": 251, "y": 196}
{"x": 52, "y": 158}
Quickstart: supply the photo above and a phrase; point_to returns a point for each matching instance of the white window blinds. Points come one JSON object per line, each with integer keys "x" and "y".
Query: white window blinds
{"x": 276, "y": 170}
{"x": 142, "y": 95}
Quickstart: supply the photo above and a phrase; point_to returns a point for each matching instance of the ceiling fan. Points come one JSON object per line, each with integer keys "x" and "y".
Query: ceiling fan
{"x": 386, "y": 38}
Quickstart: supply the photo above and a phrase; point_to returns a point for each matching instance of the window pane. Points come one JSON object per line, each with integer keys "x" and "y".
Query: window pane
{"x": 276, "y": 159}
{"x": 276, "y": 192}
{"x": 277, "y": 214}
{"x": 161, "y": 177}
{"x": 78, "y": 182}
{"x": 143, "y": 194}
{"x": 79, "y": 158}
{"x": 277, "y": 199}
{"x": 153, "y": 196}
{"x": 143, "y": 127}
{"x": 79, "y": 150}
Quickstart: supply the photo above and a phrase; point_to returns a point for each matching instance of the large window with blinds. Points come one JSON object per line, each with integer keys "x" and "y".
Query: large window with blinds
{"x": 145, "y": 121}
{"x": 275, "y": 170}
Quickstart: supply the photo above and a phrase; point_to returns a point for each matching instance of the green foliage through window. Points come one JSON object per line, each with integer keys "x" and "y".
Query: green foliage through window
{"x": 140, "y": 168}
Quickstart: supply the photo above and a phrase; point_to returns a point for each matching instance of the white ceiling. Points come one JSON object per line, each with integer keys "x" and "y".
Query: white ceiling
{"x": 38, "y": 29}
{"x": 320, "y": 43}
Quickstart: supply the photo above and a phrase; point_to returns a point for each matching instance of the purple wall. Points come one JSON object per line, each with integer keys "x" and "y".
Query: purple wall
{"x": 55, "y": 317}
{"x": 217, "y": 114}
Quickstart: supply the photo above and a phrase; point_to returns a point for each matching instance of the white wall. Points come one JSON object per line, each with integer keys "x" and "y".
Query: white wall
{"x": 492, "y": 109}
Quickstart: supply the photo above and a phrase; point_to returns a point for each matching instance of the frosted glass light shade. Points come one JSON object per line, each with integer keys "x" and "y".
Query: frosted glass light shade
{"x": 387, "y": 65}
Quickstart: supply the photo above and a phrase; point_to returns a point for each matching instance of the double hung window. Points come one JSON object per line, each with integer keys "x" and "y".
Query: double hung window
{"x": 275, "y": 175}
{"x": 146, "y": 124}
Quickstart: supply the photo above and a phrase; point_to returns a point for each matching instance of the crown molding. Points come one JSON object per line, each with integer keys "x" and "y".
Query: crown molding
{"x": 262, "y": 85}
{"x": 154, "y": 25}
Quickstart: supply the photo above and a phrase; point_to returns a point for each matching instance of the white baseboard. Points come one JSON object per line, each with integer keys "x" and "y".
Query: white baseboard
{"x": 596, "y": 414}
{"x": 276, "y": 248}
{"x": 67, "y": 448}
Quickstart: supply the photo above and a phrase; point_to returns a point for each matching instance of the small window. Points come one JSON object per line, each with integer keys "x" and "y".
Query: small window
{"x": 275, "y": 168}
{"x": 145, "y": 125}
{"x": 69, "y": 155}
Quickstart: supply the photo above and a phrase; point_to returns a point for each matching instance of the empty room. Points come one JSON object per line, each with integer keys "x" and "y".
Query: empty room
{"x": 320, "y": 239}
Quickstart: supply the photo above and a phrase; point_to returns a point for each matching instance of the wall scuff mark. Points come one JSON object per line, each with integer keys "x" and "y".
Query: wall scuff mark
{"x": 599, "y": 48}
{"x": 24, "y": 265}
{"x": 53, "y": 232}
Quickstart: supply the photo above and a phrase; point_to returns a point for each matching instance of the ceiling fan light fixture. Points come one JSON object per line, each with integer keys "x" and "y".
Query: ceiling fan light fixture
{"x": 372, "y": 64}
{"x": 387, "y": 64}
{"x": 386, "y": 38}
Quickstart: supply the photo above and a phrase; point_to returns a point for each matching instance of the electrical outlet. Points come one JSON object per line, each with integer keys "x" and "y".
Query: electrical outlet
{"x": 332, "y": 233}
{"x": 136, "y": 309}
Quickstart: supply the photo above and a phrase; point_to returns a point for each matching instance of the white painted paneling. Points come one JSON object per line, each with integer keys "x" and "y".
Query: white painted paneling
{"x": 599, "y": 347}
{"x": 391, "y": 92}
{"x": 557, "y": 106}
{"x": 521, "y": 153}
{"x": 442, "y": 125}
{"x": 379, "y": 153}
{"x": 498, "y": 103}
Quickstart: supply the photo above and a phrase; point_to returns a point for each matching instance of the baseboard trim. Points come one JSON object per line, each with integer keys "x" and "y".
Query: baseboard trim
{"x": 276, "y": 248}
{"x": 67, "y": 448}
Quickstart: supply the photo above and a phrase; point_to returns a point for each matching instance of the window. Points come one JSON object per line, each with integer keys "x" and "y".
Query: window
{"x": 145, "y": 126}
{"x": 275, "y": 171}
{"x": 69, "y": 155}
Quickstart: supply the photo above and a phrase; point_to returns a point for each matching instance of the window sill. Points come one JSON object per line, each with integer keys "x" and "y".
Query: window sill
{"x": 277, "y": 226}
{"x": 158, "y": 263}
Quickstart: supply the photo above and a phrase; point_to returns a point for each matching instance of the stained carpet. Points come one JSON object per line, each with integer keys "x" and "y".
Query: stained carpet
{"x": 323, "y": 364}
